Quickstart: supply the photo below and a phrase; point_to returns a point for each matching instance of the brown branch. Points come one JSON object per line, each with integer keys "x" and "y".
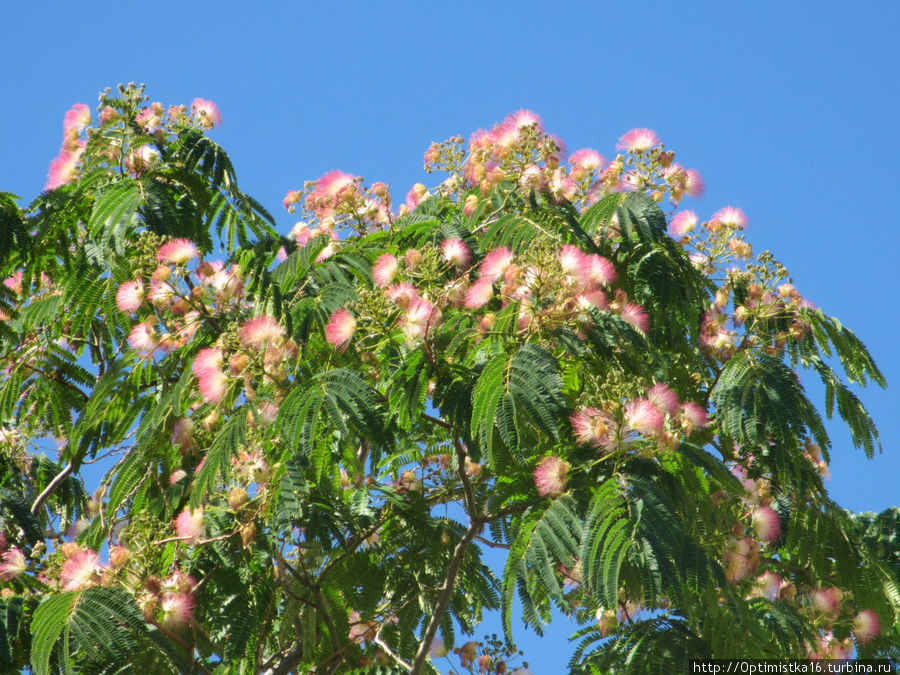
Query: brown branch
{"x": 51, "y": 488}
{"x": 459, "y": 553}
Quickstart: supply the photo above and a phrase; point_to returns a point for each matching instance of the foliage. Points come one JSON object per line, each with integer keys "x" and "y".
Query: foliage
{"x": 310, "y": 442}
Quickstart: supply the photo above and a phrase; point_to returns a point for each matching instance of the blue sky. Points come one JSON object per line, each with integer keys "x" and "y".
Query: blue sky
{"x": 785, "y": 108}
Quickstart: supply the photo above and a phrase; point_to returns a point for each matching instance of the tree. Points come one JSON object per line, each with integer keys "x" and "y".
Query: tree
{"x": 312, "y": 439}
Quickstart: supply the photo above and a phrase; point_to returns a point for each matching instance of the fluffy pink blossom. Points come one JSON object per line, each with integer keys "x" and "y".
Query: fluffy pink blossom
{"x": 644, "y": 417}
{"x": 693, "y": 184}
{"x": 495, "y": 263}
{"x": 571, "y": 259}
{"x": 340, "y": 328}
{"x": 78, "y": 117}
{"x": 401, "y": 294}
{"x": 866, "y": 626}
{"x": 731, "y": 216}
{"x": 561, "y": 187}
{"x": 213, "y": 385}
{"x": 587, "y": 159}
{"x": 189, "y": 525}
{"x": 62, "y": 169}
{"x": 177, "y": 251}
{"x": 479, "y": 293}
{"x": 143, "y": 337}
{"x": 419, "y": 317}
{"x": 767, "y": 586}
{"x": 177, "y": 609}
{"x": 693, "y": 416}
{"x": 470, "y": 205}
{"x": 329, "y": 191}
{"x": 827, "y": 600}
{"x": 81, "y": 570}
{"x": 141, "y": 159}
{"x": 634, "y": 314}
{"x": 384, "y": 270}
{"x": 130, "y": 296}
{"x": 14, "y": 282}
{"x": 260, "y": 331}
{"x": 767, "y": 524}
{"x": 550, "y": 476}
{"x": 207, "y": 111}
{"x": 13, "y": 565}
{"x": 207, "y": 360}
{"x": 638, "y": 140}
{"x": 291, "y": 197}
{"x": 161, "y": 294}
{"x": 665, "y": 400}
{"x": 524, "y": 118}
{"x": 594, "y": 427}
{"x": 596, "y": 270}
{"x": 682, "y": 223}
{"x": 456, "y": 252}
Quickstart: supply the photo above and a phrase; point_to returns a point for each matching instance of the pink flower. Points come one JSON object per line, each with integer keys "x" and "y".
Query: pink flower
{"x": 340, "y": 329}
{"x": 207, "y": 111}
{"x": 596, "y": 270}
{"x": 260, "y": 331}
{"x": 866, "y": 626}
{"x": 665, "y": 400}
{"x": 550, "y": 476}
{"x": 456, "y": 252}
{"x": 634, "y": 314}
{"x": 471, "y": 204}
{"x": 13, "y": 565}
{"x": 290, "y": 198}
{"x": 479, "y": 293}
{"x": 731, "y": 216}
{"x": 330, "y": 189}
{"x": 212, "y": 385}
{"x": 189, "y": 525}
{"x": 693, "y": 184}
{"x": 384, "y": 270}
{"x": 420, "y": 315}
{"x": 682, "y": 223}
{"x": 638, "y": 140}
{"x": 571, "y": 259}
{"x": 495, "y": 263}
{"x": 77, "y": 118}
{"x": 81, "y": 570}
{"x": 62, "y": 169}
{"x": 594, "y": 427}
{"x": 767, "y": 586}
{"x": 143, "y": 338}
{"x": 587, "y": 159}
{"x": 827, "y": 600}
{"x": 401, "y": 294}
{"x": 118, "y": 556}
{"x": 561, "y": 187}
{"x": 644, "y": 417}
{"x": 177, "y": 609}
{"x": 524, "y": 118}
{"x": 767, "y": 524}
{"x": 693, "y": 416}
{"x": 177, "y": 251}
{"x": 130, "y": 296}
{"x": 108, "y": 114}
{"x": 207, "y": 360}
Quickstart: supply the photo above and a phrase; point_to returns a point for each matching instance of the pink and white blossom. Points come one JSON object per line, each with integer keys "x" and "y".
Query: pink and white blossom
{"x": 693, "y": 416}
{"x": 207, "y": 112}
{"x": 596, "y": 270}
{"x": 638, "y": 140}
{"x": 635, "y": 315}
{"x": 731, "y": 216}
{"x": 130, "y": 296}
{"x": 767, "y": 524}
{"x": 401, "y": 294}
{"x": 594, "y": 427}
{"x": 143, "y": 337}
{"x": 644, "y": 417}
{"x": 866, "y": 625}
{"x": 479, "y": 293}
{"x": 177, "y": 609}
{"x": 495, "y": 263}
{"x": 13, "y": 564}
{"x": 190, "y": 524}
{"x": 682, "y": 223}
{"x": 456, "y": 252}
{"x": 340, "y": 328}
{"x": 384, "y": 270}
{"x": 77, "y": 118}
{"x": 419, "y": 317}
{"x": 260, "y": 331}
{"x": 177, "y": 251}
{"x": 664, "y": 398}
{"x": 550, "y": 476}
{"x": 81, "y": 570}
{"x": 62, "y": 169}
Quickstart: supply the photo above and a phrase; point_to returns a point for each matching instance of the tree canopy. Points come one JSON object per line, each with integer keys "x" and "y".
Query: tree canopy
{"x": 313, "y": 437}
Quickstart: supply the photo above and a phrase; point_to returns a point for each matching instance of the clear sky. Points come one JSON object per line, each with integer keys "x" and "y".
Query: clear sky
{"x": 784, "y": 107}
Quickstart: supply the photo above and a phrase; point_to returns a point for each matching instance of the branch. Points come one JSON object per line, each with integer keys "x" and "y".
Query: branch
{"x": 51, "y": 488}
{"x": 389, "y": 652}
{"x": 444, "y": 598}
